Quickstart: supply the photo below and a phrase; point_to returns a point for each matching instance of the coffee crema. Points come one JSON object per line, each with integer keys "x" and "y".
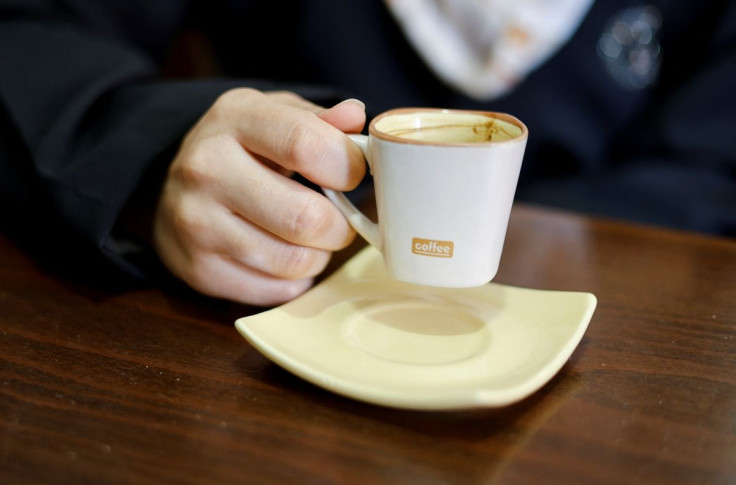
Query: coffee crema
{"x": 448, "y": 128}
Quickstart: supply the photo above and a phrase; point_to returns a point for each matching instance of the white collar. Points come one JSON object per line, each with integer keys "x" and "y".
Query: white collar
{"x": 485, "y": 47}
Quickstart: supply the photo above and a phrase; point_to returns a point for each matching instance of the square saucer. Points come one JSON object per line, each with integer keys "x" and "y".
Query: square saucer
{"x": 363, "y": 335}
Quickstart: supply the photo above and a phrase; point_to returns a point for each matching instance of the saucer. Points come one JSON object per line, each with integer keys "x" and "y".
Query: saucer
{"x": 365, "y": 336}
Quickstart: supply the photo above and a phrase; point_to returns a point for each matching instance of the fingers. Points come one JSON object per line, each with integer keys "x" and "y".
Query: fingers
{"x": 248, "y": 244}
{"x": 220, "y": 277}
{"x": 219, "y": 254}
{"x": 296, "y": 138}
{"x": 225, "y": 279}
{"x": 231, "y": 223}
{"x": 233, "y": 228}
{"x": 276, "y": 204}
{"x": 348, "y": 116}
{"x": 293, "y": 213}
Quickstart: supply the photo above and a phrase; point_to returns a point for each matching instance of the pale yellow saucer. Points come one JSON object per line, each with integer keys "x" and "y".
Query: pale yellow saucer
{"x": 365, "y": 336}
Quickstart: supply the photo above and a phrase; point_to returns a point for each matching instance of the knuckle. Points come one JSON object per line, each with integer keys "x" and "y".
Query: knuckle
{"x": 301, "y": 146}
{"x": 222, "y": 106}
{"x": 296, "y": 262}
{"x": 230, "y": 104}
{"x": 285, "y": 96}
{"x": 309, "y": 221}
{"x": 197, "y": 274}
{"x": 233, "y": 98}
{"x": 188, "y": 224}
{"x": 199, "y": 166}
{"x": 195, "y": 170}
{"x": 288, "y": 290}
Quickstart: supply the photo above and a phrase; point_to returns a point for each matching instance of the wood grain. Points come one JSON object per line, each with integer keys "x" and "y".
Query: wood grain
{"x": 152, "y": 385}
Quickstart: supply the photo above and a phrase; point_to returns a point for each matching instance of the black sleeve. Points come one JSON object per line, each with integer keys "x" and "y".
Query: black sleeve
{"x": 85, "y": 118}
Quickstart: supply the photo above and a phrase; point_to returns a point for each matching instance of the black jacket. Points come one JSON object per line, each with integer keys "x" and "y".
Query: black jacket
{"x": 89, "y": 111}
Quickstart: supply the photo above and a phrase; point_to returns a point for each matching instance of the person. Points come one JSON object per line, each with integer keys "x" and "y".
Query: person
{"x": 117, "y": 139}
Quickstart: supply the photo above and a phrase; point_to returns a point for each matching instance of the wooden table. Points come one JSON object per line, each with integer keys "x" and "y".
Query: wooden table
{"x": 152, "y": 386}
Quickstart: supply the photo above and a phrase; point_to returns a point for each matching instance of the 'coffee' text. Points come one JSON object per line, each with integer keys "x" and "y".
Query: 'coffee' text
{"x": 429, "y": 247}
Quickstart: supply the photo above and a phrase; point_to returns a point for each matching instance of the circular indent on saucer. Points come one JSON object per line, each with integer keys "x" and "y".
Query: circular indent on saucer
{"x": 416, "y": 332}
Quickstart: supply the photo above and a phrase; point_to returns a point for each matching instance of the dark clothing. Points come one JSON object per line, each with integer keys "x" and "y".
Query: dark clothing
{"x": 86, "y": 115}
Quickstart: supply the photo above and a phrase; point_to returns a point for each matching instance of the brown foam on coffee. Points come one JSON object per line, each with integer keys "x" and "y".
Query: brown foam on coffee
{"x": 444, "y": 128}
{"x": 494, "y": 130}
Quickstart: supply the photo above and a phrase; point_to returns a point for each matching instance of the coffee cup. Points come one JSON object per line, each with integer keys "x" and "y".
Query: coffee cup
{"x": 444, "y": 182}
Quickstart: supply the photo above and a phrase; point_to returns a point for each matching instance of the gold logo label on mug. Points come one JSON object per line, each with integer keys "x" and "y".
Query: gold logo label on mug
{"x": 430, "y": 247}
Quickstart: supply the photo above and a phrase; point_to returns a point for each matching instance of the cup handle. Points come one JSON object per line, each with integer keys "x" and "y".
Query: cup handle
{"x": 364, "y": 226}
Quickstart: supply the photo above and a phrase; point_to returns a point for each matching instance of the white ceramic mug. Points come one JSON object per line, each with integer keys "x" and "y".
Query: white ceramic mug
{"x": 444, "y": 182}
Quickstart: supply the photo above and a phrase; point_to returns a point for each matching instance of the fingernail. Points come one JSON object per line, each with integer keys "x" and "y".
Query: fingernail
{"x": 354, "y": 101}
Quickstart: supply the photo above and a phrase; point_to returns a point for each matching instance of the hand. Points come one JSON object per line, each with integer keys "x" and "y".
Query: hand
{"x": 231, "y": 223}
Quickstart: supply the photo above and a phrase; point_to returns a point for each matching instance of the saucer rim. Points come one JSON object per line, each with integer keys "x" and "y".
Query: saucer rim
{"x": 478, "y": 397}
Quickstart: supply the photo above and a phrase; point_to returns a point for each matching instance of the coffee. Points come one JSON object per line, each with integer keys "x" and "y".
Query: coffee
{"x": 443, "y": 128}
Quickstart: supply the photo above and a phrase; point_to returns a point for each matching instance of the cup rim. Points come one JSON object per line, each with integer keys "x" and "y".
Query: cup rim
{"x": 373, "y": 131}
